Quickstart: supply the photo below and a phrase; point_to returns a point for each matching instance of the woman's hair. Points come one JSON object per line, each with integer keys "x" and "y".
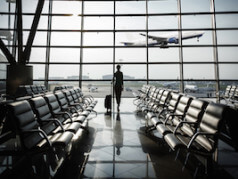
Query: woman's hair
{"x": 118, "y": 67}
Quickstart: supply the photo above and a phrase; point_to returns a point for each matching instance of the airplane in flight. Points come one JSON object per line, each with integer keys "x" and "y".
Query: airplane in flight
{"x": 164, "y": 40}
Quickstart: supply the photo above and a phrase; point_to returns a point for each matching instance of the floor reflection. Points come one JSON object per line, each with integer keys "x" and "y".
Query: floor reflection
{"x": 118, "y": 135}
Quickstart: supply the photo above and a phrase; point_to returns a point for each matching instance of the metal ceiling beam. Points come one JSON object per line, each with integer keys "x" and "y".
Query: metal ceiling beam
{"x": 19, "y": 31}
{"x": 27, "y": 51}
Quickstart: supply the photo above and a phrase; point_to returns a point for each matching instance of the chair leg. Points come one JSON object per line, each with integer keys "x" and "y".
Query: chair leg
{"x": 177, "y": 154}
{"x": 186, "y": 160}
{"x": 209, "y": 165}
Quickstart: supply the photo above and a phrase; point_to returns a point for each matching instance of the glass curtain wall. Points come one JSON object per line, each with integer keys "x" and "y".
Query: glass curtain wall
{"x": 79, "y": 43}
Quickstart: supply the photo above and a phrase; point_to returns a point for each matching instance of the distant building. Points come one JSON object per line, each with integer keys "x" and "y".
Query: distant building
{"x": 85, "y": 77}
{"x": 73, "y": 77}
{"x": 109, "y": 77}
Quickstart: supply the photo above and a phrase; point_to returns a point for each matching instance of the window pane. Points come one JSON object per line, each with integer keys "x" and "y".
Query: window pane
{"x": 163, "y": 22}
{"x": 228, "y": 5}
{"x": 65, "y": 55}
{"x": 3, "y": 71}
{"x": 29, "y": 6}
{"x": 38, "y": 72}
{"x": 228, "y": 71}
{"x": 98, "y": 55}
{"x": 95, "y": 7}
{"x": 228, "y": 54}
{"x": 40, "y": 38}
{"x": 227, "y": 37}
{"x": 53, "y": 84}
{"x": 62, "y": 72}
{"x": 38, "y": 54}
{"x": 130, "y": 55}
{"x": 175, "y": 85}
{"x": 200, "y": 89}
{"x": 168, "y": 6}
{"x": 5, "y": 21}
{"x": 98, "y": 39}
{"x": 98, "y": 23}
{"x": 195, "y": 6}
{"x": 130, "y": 37}
{"x": 205, "y": 39}
{"x": 198, "y": 71}
{"x": 67, "y": 7}
{"x": 2, "y": 57}
{"x": 227, "y": 20}
{"x": 196, "y": 21}
{"x": 163, "y": 71}
{"x": 97, "y": 71}
{"x": 131, "y": 22}
{"x": 130, "y": 87}
{"x": 27, "y": 22}
{"x": 134, "y": 71}
{"x": 133, "y": 7}
{"x": 163, "y": 55}
{"x": 67, "y": 22}
{"x": 97, "y": 89}
{"x": 4, "y": 6}
{"x": 65, "y": 38}
{"x": 199, "y": 54}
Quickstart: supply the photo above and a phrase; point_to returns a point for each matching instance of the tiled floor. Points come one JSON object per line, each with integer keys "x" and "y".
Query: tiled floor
{"x": 121, "y": 149}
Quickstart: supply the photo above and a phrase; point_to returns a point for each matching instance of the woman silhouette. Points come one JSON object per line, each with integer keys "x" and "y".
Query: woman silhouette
{"x": 118, "y": 86}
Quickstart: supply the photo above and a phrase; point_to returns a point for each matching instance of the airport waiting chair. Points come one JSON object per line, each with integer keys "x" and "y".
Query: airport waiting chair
{"x": 146, "y": 102}
{"x": 204, "y": 141}
{"x": 34, "y": 89}
{"x": 35, "y": 141}
{"x": 190, "y": 121}
{"x": 142, "y": 94}
{"x": 173, "y": 119}
{"x": 153, "y": 101}
{"x": 56, "y": 111}
{"x": 87, "y": 99}
{"x": 78, "y": 99}
{"x": 66, "y": 107}
{"x": 39, "y": 89}
{"x": 48, "y": 122}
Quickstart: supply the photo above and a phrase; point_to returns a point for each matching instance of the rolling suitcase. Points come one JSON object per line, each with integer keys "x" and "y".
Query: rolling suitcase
{"x": 108, "y": 103}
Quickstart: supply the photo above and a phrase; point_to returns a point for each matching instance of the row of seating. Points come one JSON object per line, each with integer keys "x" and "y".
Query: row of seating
{"x": 185, "y": 122}
{"x": 142, "y": 93}
{"x": 50, "y": 126}
{"x": 62, "y": 87}
{"x": 30, "y": 90}
{"x": 230, "y": 95}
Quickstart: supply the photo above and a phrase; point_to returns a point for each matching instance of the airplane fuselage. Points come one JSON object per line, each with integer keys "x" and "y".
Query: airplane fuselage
{"x": 164, "y": 40}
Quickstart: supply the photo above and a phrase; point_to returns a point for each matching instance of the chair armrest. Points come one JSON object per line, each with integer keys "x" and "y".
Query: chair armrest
{"x": 56, "y": 121}
{"x": 196, "y": 135}
{"x": 181, "y": 123}
{"x": 172, "y": 115}
{"x": 6, "y": 136}
{"x": 42, "y": 134}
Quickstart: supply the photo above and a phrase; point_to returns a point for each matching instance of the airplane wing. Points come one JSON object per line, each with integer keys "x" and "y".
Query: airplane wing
{"x": 157, "y": 38}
